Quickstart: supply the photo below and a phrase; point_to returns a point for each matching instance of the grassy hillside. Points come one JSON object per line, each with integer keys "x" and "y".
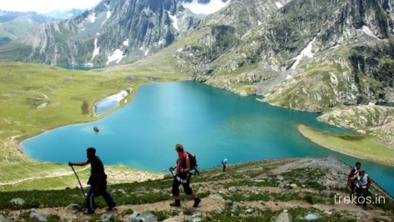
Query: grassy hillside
{"x": 15, "y": 28}
{"x": 256, "y": 191}
{"x": 363, "y": 147}
{"x": 35, "y": 98}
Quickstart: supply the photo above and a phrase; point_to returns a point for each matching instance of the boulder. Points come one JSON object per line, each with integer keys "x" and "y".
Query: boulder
{"x": 108, "y": 217}
{"x": 146, "y": 216}
{"x": 249, "y": 210}
{"x": 284, "y": 217}
{"x": 37, "y": 217}
{"x": 197, "y": 217}
{"x": 3, "y": 218}
{"x": 235, "y": 208}
{"x": 218, "y": 210}
{"x": 311, "y": 217}
{"x": 17, "y": 201}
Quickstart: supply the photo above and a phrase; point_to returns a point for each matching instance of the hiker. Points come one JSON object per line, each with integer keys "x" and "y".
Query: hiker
{"x": 97, "y": 181}
{"x": 353, "y": 177}
{"x": 182, "y": 176}
{"x": 362, "y": 188}
{"x": 224, "y": 164}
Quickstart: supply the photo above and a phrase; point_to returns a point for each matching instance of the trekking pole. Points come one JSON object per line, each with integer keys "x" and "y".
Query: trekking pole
{"x": 79, "y": 181}
{"x": 171, "y": 169}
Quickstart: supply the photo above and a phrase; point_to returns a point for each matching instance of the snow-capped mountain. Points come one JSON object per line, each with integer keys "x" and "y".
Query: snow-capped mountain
{"x": 113, "y": 32}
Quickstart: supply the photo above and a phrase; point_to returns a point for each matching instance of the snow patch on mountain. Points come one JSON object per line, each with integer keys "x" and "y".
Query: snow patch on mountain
{"x": 116, "y": 57}
{"x": 161, "y": 42}
{"x": 92, "y": 17}
{"x": 174, "y": 21}
{"x": 126, "y": 42}
{"x": 96, "y": 50}
{"x": 109, "y": 13}
{"x": 89, "y": 65}
{"x": 307, "y": 52}
{"x": 368, "y": 31}
{"x": 144, "y": 50}
{"x": 279, "y": 5}
{"x": 206, "y": 9}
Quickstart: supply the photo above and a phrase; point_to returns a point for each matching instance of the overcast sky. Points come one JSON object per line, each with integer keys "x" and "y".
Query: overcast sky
{"x": 44, "y": 6}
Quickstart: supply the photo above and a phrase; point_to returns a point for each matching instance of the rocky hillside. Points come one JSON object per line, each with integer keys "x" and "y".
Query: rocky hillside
{"x": 308, "y": 55}
{"x": 374, "y": 120}
{"x": 115, "y": 31}
{"x": 279, "y": 49}
{"x": 15, "y": 24}
{"x": 276, "y": 190}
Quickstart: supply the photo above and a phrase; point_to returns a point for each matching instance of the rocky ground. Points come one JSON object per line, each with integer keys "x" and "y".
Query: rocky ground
{"x": 276, "y": 190}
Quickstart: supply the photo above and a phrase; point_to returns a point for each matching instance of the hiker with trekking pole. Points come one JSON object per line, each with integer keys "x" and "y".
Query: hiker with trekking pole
{"x": 97, "y": 181}
{"x": 185, "y": 164}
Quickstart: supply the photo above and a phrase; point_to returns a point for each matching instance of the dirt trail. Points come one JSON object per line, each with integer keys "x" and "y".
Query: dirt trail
{"x": 209, "y": 204}
{"x": 53, "y": 175}
{"x": 213, "y": 203}
{"x": 261, "y": 189}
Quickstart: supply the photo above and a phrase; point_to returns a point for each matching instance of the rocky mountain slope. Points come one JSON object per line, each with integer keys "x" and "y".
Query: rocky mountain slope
{"x": 342, "y": 48}
{"x": 15, "y": 24}
{"x": 114, "y": 31}
{"x": 276, "y": 190}
{"x": 273, "y": 48}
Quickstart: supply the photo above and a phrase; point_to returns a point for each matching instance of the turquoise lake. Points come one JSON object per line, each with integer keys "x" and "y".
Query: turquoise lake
{"x": 212, "y": 123}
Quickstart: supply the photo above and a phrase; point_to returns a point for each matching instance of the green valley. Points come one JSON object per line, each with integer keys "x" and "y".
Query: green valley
{"x": 24, "y": 87}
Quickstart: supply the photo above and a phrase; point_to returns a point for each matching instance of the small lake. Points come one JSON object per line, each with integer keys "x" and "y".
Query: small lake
{"x": 212, "y": 123}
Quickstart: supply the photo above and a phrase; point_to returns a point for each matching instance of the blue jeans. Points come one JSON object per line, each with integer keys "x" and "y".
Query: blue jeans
{"x": 90, "y": 199}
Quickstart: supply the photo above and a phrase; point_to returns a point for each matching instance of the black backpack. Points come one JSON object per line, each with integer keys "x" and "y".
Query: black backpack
{"x": 193, "y": 163}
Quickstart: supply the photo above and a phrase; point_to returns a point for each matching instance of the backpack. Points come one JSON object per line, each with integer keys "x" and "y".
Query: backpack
{"x": 193, "y": 163}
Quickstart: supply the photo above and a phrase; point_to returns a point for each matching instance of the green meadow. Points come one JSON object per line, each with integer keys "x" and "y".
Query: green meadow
{"x": 363, "y": 147}
{"x": 35, "y": 98}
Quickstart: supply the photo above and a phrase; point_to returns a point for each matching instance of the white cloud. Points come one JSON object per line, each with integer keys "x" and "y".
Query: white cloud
{"x": 44, "y": 6}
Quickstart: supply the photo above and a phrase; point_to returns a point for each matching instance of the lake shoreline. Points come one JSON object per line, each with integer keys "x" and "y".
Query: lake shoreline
{"x": 18, "y": 140}
{"x": 120, "y": 107}
{"x": 311, "y": 135}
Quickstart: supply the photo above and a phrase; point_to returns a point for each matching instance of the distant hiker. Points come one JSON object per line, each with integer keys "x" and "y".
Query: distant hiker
{"x": 362, "y": 188}
{"x": 97, "y": 181}
{"x": 182, "y": 176}
{"x": 224, "y": 164}
{"x": 353, "y": 177}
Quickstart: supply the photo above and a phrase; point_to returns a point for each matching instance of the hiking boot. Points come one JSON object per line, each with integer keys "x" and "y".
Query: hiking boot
{"x": 177, "y": 203}
{"x": 89, "y": 212}
{"x": 196, "y": 202}
{"x": 111, "y": 209}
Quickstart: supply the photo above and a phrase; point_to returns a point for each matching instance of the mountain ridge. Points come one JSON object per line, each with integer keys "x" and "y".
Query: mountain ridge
{"x": 107, "y": 34}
